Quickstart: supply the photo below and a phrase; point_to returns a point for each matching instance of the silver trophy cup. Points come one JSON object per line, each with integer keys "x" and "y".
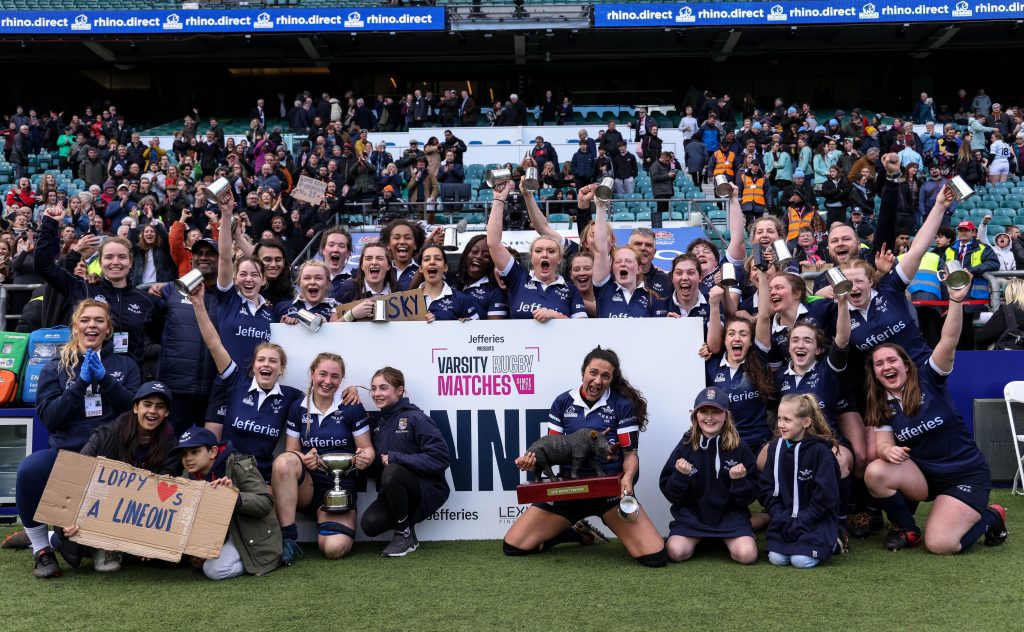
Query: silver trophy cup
{"x": 952, "y": 273}
{"x": 312, "y": 322}
{"x": 380, "y": 311}
{"x": 494, "y": 177}
{"x": 961, "y": 190}
{"x": 782, "y": 255}
{"x": 629, "y": 508}
{"x": 605, "y": 191}
{"x": 530, "y": 180}
{"x": 722, "y": 188}
{"x": 728, "y": 275}
{"x": 841, "y": 286}
{"x": 219, "y": 191}
{"x": 189, "y": 282}
{"x": 451, "y": 239}
{"x": 338, "y": 500}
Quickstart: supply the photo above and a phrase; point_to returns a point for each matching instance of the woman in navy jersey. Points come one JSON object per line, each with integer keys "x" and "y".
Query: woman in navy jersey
{"x": 314, "y": 282}
{"x": 475, "y": 277}
{"x": 243, "y": 316}
{"x": 618, "y": 283}
{"x": 539, "y": 293}
{"x": 256, "y": 403}
{"x": 581, "y": 273}
{"x": 608, "y": 403}
{"x": 711, "y": 478}
{"x": 403, "y": 239}
{"x": 320, "y": 423}
{"x": 925, "y": 452}
{"x": 85, "y": 387}
{"x": 883, "y": 314}
{"x": 443, "y": 302}
{"x": 374, "y": 277}
{"x": 741, "y": 370}
{"x": 688, "y": 299}
{"x": 787, "y": 294}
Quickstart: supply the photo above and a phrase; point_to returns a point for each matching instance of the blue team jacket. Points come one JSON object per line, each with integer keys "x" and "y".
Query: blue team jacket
{"x": 411, "y": 439}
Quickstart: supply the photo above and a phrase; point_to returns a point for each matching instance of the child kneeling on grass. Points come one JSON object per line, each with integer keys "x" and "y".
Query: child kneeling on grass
{"x": 253, "y": 544}
{"x": 800, "y": 486}
{"x": 711, "y": 478}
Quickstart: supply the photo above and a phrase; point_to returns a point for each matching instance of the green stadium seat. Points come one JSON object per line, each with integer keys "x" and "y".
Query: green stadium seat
{"x": 643, "y": 216}
{"x": 559, "y": 218}
{"x": 623, "y": 216}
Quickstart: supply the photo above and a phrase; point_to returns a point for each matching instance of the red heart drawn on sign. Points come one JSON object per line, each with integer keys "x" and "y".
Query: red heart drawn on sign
{"x": 165, "y": 490}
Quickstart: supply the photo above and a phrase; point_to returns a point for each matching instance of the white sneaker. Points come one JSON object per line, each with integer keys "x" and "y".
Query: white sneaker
{"x": 106, "y": 561}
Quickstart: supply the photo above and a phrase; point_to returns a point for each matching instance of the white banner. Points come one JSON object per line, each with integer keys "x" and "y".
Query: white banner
{"x": 490, "y": 414}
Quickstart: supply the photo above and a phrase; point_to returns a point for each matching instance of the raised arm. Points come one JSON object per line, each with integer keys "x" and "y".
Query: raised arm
{"x": 763, "y": 324}
{"x": 495, "y": 223}
{"x": 912, "y": 260}
{"x": 714, "y": 336}
{"x": 842, "y": 338}
{"x": 945, "y": 350}
{"x": 736, "y": 250}
{"x": 224, "y": 245}
{"x": 537, "y": 218}
{"x": 602, "y": 256}
{"x": 221, "y": 358}
{"x": 983, "y": 231}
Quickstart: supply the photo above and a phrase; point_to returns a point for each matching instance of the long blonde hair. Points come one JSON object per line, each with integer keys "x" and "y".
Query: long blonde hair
{"x": 1013, "y": 293}
{"x": 69, "y": 350}
{"x": 730, "y": 436}
{"x": 807, "y": 408}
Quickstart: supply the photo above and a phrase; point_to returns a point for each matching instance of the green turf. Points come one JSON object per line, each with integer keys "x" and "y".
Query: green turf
{"x": 471, "y": 585}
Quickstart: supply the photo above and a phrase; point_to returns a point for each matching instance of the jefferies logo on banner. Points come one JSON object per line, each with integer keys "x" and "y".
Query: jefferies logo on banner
{"x": 489, "y": 386}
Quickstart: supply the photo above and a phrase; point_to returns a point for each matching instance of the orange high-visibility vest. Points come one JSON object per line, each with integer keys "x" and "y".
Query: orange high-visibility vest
{"x": 724, "y": 162}
{"x": 753, "y": 189}
{"x": 797, "y": 221}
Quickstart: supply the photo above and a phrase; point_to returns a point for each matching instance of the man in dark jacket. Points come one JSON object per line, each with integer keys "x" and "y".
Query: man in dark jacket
{"x": 92, "y": 169}
{"x": 662, "y": 178}
{"x": 516, "y": 114}
{"x": 544, "y": 153}
{"x": 20, "y": 149}
{"x": 452, "y": 143}
{"x": 582, "y": 165}
{"x": 548, "y": 109}
{"x": 254, "y": 535}
{"x": 185, "y": 364}
{"x": 650, "y": 147}
{"x": 611, "y": 138}
{"x": 625, "y": 168}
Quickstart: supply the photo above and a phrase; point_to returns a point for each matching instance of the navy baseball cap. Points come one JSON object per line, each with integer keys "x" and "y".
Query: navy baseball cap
{"x": 205, "y": 240}
{"x": 714, "y": 397}
{"x": 196, "y": 437}
{"x": 153, "y": 388}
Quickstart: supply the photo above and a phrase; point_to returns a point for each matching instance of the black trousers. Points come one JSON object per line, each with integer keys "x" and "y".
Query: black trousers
{"x": 399, "y": 495}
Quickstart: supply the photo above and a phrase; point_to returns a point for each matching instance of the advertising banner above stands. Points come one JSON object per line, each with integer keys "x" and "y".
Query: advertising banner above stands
{"x": 757, "y": 13}
{"x": 220, "y": 21}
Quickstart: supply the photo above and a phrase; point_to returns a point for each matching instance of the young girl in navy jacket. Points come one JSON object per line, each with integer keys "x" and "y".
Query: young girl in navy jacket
{"x": 711, "y": 478}
{"x": 800, "y": 486}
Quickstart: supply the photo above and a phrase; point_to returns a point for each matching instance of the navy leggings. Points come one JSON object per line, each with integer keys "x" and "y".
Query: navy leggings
{"x": 33, "y": 473}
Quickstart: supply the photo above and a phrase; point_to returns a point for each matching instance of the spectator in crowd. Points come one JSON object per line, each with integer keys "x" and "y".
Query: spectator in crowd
{"x": 542, "y": 153}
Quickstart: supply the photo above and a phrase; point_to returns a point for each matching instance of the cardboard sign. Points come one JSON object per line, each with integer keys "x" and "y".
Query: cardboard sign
{"x": 309, "y": 190}
{"x": 409, "y": 305}
{"x": 123, "y": 508}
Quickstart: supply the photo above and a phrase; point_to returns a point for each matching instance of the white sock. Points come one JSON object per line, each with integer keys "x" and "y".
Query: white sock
{"x": 38, "y": 536}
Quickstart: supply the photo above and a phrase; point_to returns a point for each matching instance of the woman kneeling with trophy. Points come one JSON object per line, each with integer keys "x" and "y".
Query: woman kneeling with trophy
{"x": 604, "y": 404}
{"x": 326, "y": 443}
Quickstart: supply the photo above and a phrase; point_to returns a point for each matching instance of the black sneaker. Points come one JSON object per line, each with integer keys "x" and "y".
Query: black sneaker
{"x": 401, "y": 544}
{"x": 290, "y": 552}
{"x": 996, "y": 534}
{"x": 588, "y": 533}
{"x": 842, "y": 542}
{"x": 46, "y": 564}
{"x": 899, "y": 539}
{"x": 72, "y": 552}
{"x": 858, "y": 524}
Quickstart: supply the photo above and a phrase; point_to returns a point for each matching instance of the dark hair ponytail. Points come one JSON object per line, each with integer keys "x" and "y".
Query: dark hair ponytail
{"x": 619, "y": 383}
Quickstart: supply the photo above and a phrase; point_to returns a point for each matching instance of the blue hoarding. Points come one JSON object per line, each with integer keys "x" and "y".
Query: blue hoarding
{"x": 185, "y": 22}
{"x": 681, "y": 14}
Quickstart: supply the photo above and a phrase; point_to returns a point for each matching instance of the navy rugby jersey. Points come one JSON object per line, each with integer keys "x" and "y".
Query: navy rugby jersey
{"x": 289, "y": 308}
{"x": 888, "y": 319}
{"x": 330, "y": 431}
{"x": 405, "y": 276}
{"x": 526, "y": 293}
{"x": 612, "y": 412}
{"x": 243, "y": 324}
{"x": 748, "y": 407}
{"x": 490, "y": 299}
{"x": 817, "y": 312}
{"x": 614, "y": 301}
{"x": 452, "y": 305}
{"x": 253, "y": 420}
{"x": 821, "y": 380}
{"x": 938, "y": 440}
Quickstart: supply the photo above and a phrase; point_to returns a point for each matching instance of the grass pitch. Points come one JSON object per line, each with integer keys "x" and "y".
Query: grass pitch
{"x": 472, "y": 586}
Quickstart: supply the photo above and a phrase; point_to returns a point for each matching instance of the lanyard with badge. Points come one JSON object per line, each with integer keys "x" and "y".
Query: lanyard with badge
{"x": 120, "y": 342}
{"x": 93, "y": 402}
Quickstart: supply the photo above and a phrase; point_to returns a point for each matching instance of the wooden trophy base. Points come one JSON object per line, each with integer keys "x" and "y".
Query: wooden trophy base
{"x": 570, "y": 489}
